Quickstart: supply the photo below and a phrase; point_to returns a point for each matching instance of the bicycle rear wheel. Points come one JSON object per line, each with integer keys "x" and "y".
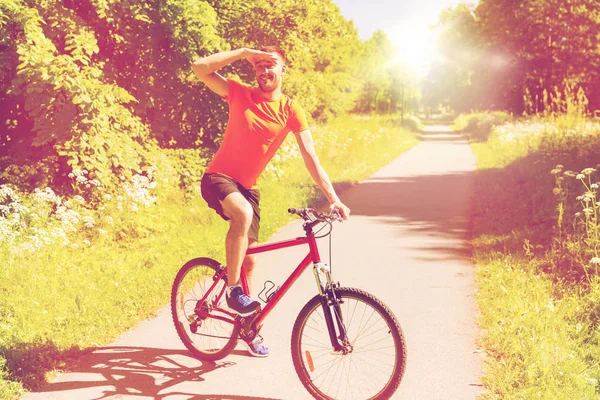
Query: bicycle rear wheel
{"x": 373, "y": 361}
{"x": 207, "y": 332}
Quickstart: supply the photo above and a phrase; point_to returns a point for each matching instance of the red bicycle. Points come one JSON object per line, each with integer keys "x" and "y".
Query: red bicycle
{"x": 346, "y": 343}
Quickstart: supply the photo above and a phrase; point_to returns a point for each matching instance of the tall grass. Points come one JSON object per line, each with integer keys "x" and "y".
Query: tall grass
{"x": 535, "y": 247}
{"x": 78, "y": 272}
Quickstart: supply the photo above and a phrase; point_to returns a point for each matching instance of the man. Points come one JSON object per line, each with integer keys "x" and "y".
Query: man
{"x": 259, "y": 120}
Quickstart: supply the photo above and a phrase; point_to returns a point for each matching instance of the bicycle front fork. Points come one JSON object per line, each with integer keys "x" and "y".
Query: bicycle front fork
{"x": 331, "y": 308}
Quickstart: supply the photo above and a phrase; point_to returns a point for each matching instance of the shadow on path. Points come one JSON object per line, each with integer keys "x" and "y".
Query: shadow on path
{"x": 424, "y": 197}
{"x": 140, "y": 371}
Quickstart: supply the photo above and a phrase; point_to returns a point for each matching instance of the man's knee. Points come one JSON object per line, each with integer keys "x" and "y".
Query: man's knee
{"x": 238, "y": 209}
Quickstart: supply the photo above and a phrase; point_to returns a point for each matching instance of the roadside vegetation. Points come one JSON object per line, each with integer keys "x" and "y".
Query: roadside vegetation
{"x": 536, "y": 239}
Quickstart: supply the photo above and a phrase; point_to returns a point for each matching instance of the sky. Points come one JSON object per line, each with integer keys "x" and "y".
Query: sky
{"x": 405, "y": 22}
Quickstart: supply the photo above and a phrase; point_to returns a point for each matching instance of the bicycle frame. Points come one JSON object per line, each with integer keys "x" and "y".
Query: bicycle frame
{"x": 312, "y": 257}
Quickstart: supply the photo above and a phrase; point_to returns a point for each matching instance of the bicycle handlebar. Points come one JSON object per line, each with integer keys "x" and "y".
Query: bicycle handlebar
{"x": 306, "y": 213}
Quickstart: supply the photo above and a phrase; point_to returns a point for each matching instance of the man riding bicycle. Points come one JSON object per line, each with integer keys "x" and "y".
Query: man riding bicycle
{"x": 259, "y": 120}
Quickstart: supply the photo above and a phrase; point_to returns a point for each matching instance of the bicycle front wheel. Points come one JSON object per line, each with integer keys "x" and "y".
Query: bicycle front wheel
{"x": 373, "y": 359}
{"x": 197, "y": 301}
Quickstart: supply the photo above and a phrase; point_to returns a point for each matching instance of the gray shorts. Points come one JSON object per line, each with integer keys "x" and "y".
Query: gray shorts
{"x": 215, "y": 187}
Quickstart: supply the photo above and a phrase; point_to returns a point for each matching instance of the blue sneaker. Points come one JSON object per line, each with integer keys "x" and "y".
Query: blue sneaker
{"x": 240, "y": 303}
{"x": 255, "y": 347}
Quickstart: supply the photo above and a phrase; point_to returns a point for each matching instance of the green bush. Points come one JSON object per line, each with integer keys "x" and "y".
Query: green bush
{"x": 413, "y": 123}
{"x": 478, "y": 126}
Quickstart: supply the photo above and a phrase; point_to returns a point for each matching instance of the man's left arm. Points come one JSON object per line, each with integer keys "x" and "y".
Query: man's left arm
{"x": 316, "y": 171}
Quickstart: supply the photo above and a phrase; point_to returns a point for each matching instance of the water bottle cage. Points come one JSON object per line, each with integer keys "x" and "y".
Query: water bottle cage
{"x": 269, "y": 290}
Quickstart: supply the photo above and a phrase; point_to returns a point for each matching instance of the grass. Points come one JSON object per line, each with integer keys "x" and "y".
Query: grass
{"x": 64, "y": 295}
{"x": 539, "y": 340}
{"x": 538, "y": 296}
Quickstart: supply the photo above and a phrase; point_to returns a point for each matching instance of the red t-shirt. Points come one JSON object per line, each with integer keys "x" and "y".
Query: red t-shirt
{"x": 255, "y": 130}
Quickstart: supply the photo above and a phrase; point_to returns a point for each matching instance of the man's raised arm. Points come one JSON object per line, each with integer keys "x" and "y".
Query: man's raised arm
{"x": 206, "y": 68}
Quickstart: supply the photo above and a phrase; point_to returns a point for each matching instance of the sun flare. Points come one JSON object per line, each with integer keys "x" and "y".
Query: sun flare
{"x": 416, "y": 44}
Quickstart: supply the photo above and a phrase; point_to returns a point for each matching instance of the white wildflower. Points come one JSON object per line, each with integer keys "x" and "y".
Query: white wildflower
{"x": 71, "y": 175}
{"x": 58, "y": 233}
{"x": 88, "y": 221}
{"x": 75, "y": 245}
{"x": 87, "y": 242}
{"x": 107, "y": 197}
{"x": 68, "y": 218}
{"x": 47, "y": 195}
{"x": 79, "y": 199}
{"x": 6, "y": 192}
{"x": 595, "y": 260}
{"x": 108, "y": 219}
{"x": 594, "y": 186}
{"x": 588, "y": 171}
{"x": 580, "y": 177}
{"x": 81, "y": 179}
{"x": 102, "y": 231}
{"x": 588, "y": 211}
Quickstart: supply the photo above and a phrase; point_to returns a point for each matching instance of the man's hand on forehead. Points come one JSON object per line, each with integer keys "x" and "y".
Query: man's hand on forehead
{"x": 255, "y": 56}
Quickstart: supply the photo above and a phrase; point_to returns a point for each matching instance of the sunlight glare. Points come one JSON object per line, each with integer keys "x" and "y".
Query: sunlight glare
{"x": 416, "y": 44}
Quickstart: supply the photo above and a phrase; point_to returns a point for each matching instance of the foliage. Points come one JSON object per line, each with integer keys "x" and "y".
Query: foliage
{"x": 498, "y": 51}
{"x": 74, "y": 115}
{"x": 478, "y": 126}
{"x": 449, "y": 81}
{"x": 105, "y": 85}
{"x": 413, "y": 123}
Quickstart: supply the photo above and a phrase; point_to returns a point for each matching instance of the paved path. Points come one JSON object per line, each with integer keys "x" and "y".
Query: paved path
{"x": 405, "y": 243}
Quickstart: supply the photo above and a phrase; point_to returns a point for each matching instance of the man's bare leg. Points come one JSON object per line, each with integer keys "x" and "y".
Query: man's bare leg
{"x": 240, "y": 213}
{"x": 249, "y": 263}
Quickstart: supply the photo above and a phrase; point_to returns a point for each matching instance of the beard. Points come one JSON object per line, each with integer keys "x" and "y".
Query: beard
{"x": 269, "y": 85}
